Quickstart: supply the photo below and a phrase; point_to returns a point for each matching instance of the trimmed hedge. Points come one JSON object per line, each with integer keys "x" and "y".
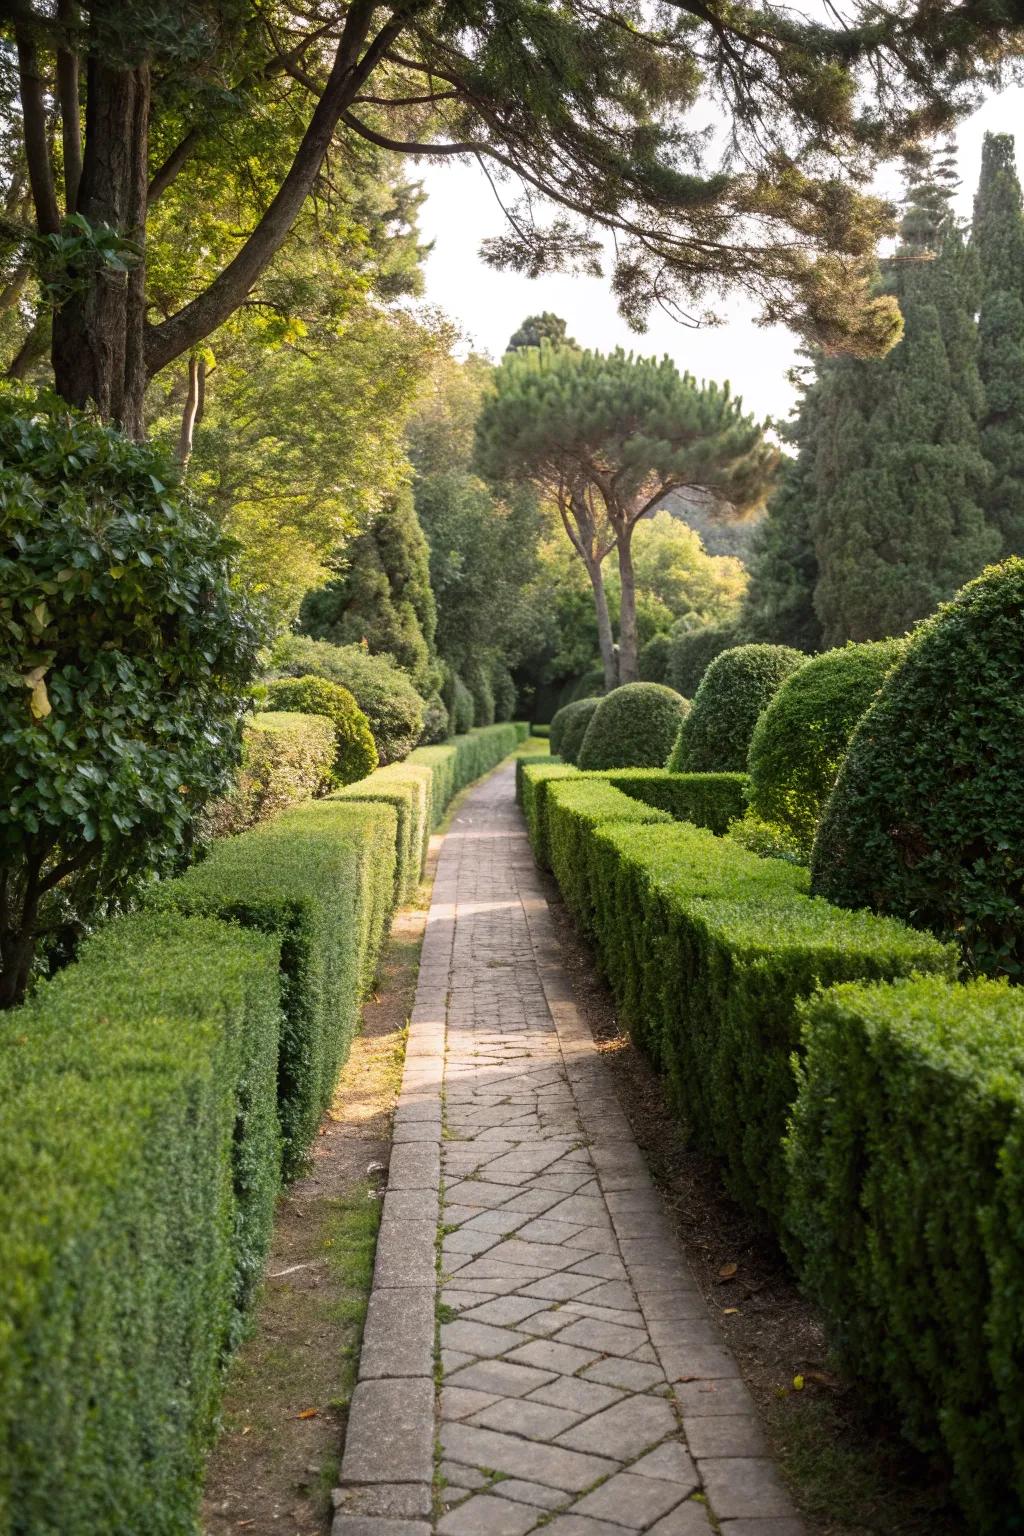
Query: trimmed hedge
{"x": 384, "y": 693}
{"x": 709, "y": 949}
{"x": 465, "y": 759}
{"x": 906, "y": 1215}
{"x": 138, "y": 1170}
{"x": 321, "y": 878}
{"x": 711, "y": 800}
{"x": 927, "y": 817}
{"x": 408, "y": 788}
{"x": 634, "y": 726}
{"x": 574, "y": 808}
{"x": 355, "y": 753}
{"x": 800, "y": 740}
{"x": 286, "y": 758}
{"x": 737, "y": 686}
{"x": 532, "y": 780}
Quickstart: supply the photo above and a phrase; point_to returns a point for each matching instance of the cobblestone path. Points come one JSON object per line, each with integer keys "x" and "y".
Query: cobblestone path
{"x": 582, "y": 1388}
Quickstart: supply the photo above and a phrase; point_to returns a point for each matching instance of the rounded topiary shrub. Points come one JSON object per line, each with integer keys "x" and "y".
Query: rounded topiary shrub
{"x": 436, "y": 726}
{"x": 504, "y": 693}
{"x": 652, "y": 663}
{"x": 737, "y": 686}
{"x": 385, "y": 695}
{"x": 801, "y": 738}
{"x": 460, "y": 704}
{"x": 691, "y": 652}
{"x": 926, "y": 820}
{"x": 568, "y": 727}
{"x": 355, "y": 754}
{"x": 633, "y": 727}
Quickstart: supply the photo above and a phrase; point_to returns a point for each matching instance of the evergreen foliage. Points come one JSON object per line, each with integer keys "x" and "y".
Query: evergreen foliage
{"x": 538, "y": 328}
{"x": 568, "y": 726}
{"x": 737, "y": 686}
{"x": 384, "y": 694}
{"x": 654, "y": 659}
{"x": 460, "y": 705}
{"x": 692, "y": 651}
{"x": 383, "y": 599}
{"x": 997, "y": 239}
{"x": 633, "y": 727}
{"x": 800, "y": 740}
{"x": 927, "y": 817}
{"x": 355, "y": 754}
{"x": 477, "y": 678}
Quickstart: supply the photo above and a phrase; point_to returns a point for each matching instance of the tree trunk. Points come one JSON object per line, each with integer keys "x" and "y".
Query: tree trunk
{"x": 628, "y": 662}
{"x": 605, "y": 639}
{"x": 192, "y": 412}
{"x": 98, "y": 335}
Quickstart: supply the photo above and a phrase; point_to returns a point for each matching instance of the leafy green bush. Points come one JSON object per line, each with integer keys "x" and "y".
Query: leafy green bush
{"x": 285, "y": 759}
{"x": 737, "y": 686}
{"x": 769, "y": 839}
{"x": 408, "y": 787}
{"x": 652, "y": 663}
{"x": 321, "y": 877}
{"x": 691, "y": 653}
{"x": 927, "y": 818}
{"x": 355, "y": 754}
{"x": 478, "y": 681}
{"x": 533, "y": 780}
{"x": 906, "y": 1215}
{"x": 574, "y": 807}
{"x": 505, "y": 693}
{"x": 801, "y": 738}
{"x": 708, "y": 949}
{"x": 712, "y": 800}
{"x": 138, "y": 1171}
{"x": 540, "y": 730}
{"x": 436, "y": 725}
{"x": 633, "y": 727}
{"x": 461, "y": 709}
{"x": 124, "y": 658}
{"x": 384, "y": 694}
{"x": 463, "y": 760}
{"x": 571, "y": 719}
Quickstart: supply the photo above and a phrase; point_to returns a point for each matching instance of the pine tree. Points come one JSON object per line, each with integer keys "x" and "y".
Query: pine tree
{"x": 997, "y": 237}
{"x": 537, "y": 328}
{"x": 899, "y": 478}
{"x": 383, "y": 596}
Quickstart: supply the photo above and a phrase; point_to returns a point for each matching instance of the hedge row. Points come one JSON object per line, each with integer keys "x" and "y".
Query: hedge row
{"x": 151, "y": 1097}
{"x": 709, "y": 950}
{"x": 138, "y": 1169}
{"x": 709, "y": 800}
{"x": 906, "y": 1216}
{"x": 458, "y": 762}
{"x": 575, "y": 806}
{"x": 286, "y": 758}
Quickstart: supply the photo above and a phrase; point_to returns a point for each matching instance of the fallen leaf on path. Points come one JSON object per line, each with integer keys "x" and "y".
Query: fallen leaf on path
{"x": 727, "y": 1271}
{"x": 308, "y": 1413}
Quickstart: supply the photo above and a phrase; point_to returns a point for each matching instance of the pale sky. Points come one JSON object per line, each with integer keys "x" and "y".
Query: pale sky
{"x": 460, "y": 212}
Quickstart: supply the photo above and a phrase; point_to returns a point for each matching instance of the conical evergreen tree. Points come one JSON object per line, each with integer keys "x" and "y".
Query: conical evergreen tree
{"x": 383, "y": 597}
{"x": 899, "y": 478}
{"x": 997, "y": 238}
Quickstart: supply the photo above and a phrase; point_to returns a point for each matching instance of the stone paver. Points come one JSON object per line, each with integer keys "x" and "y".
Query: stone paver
{"x": 585, "y": 1390}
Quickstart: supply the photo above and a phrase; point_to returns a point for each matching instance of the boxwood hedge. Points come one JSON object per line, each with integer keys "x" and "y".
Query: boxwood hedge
{"x": 321, "y": 877}
{"x": 709, "y": 949}
{"x": 286, "y": 758}
{"x": 466, "y": 758}
{"x": 634, "y": 726}
{"x": 711, "y": 800}
{"x": 408, "y": 788}
{"x": 569, "y": 726}
{"x": 575, "y": 806}
{"x": 138, "y": 1169}
{"x": 906, "y": 1215}
{"x": 737, "y": 686}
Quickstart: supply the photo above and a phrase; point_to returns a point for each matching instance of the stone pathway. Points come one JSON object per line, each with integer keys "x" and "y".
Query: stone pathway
{"x": 584, "y": 1388}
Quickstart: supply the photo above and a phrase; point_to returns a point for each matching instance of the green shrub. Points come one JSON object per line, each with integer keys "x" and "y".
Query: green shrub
{"x": 927, "y": 817}
{"x": 652, "y": 663}
{"x": 532, "y": 786}
{"x": 436, "y": 724}
{"x": 737, "y": 686}
{"x": 691, "y": 653}
{"x": 708, "y": 949}
{"x": 138, "y": 1171}
{"x": 522, "y": 730}
{"x": 285, "y": 759}
{"x": 461, "y": 709}
{"x": 125, "y": 655}
{"x": 712, "y": 800}
{"x": 321, "y": 877}
{"x": 571, "y": 721}
{"x": 769, "y": 839}
{"x": 505, "y": 693}
{"x": 906, "y": 1215}
{"x": 800, "y": 740}
{"x": 633, "y": 727}
{"x": 540, "y": 730}
{"x": 408, "y": 787}
{"x": 574, "y": 807}
{"x": 384, "y": 694}
{"x": 478, "y": 681}
{"x": 355, "y": 754}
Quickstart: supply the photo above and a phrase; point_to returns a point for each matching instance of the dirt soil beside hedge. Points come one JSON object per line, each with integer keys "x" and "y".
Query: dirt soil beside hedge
{"x": 849, "y": 1474}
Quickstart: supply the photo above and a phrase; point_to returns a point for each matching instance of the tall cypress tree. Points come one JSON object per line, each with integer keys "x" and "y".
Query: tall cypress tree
{"x": 899, "y": 478}
{"x": 383, "y": 596}
{"x": 997, "y": 238}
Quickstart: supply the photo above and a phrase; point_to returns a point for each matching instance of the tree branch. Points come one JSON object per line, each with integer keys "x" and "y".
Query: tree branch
{"x": 37, "y": 149}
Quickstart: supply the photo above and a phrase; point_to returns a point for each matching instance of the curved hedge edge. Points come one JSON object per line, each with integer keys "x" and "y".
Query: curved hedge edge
{"x": 711, "y": 800}
{"x": 139, "y": 1166}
